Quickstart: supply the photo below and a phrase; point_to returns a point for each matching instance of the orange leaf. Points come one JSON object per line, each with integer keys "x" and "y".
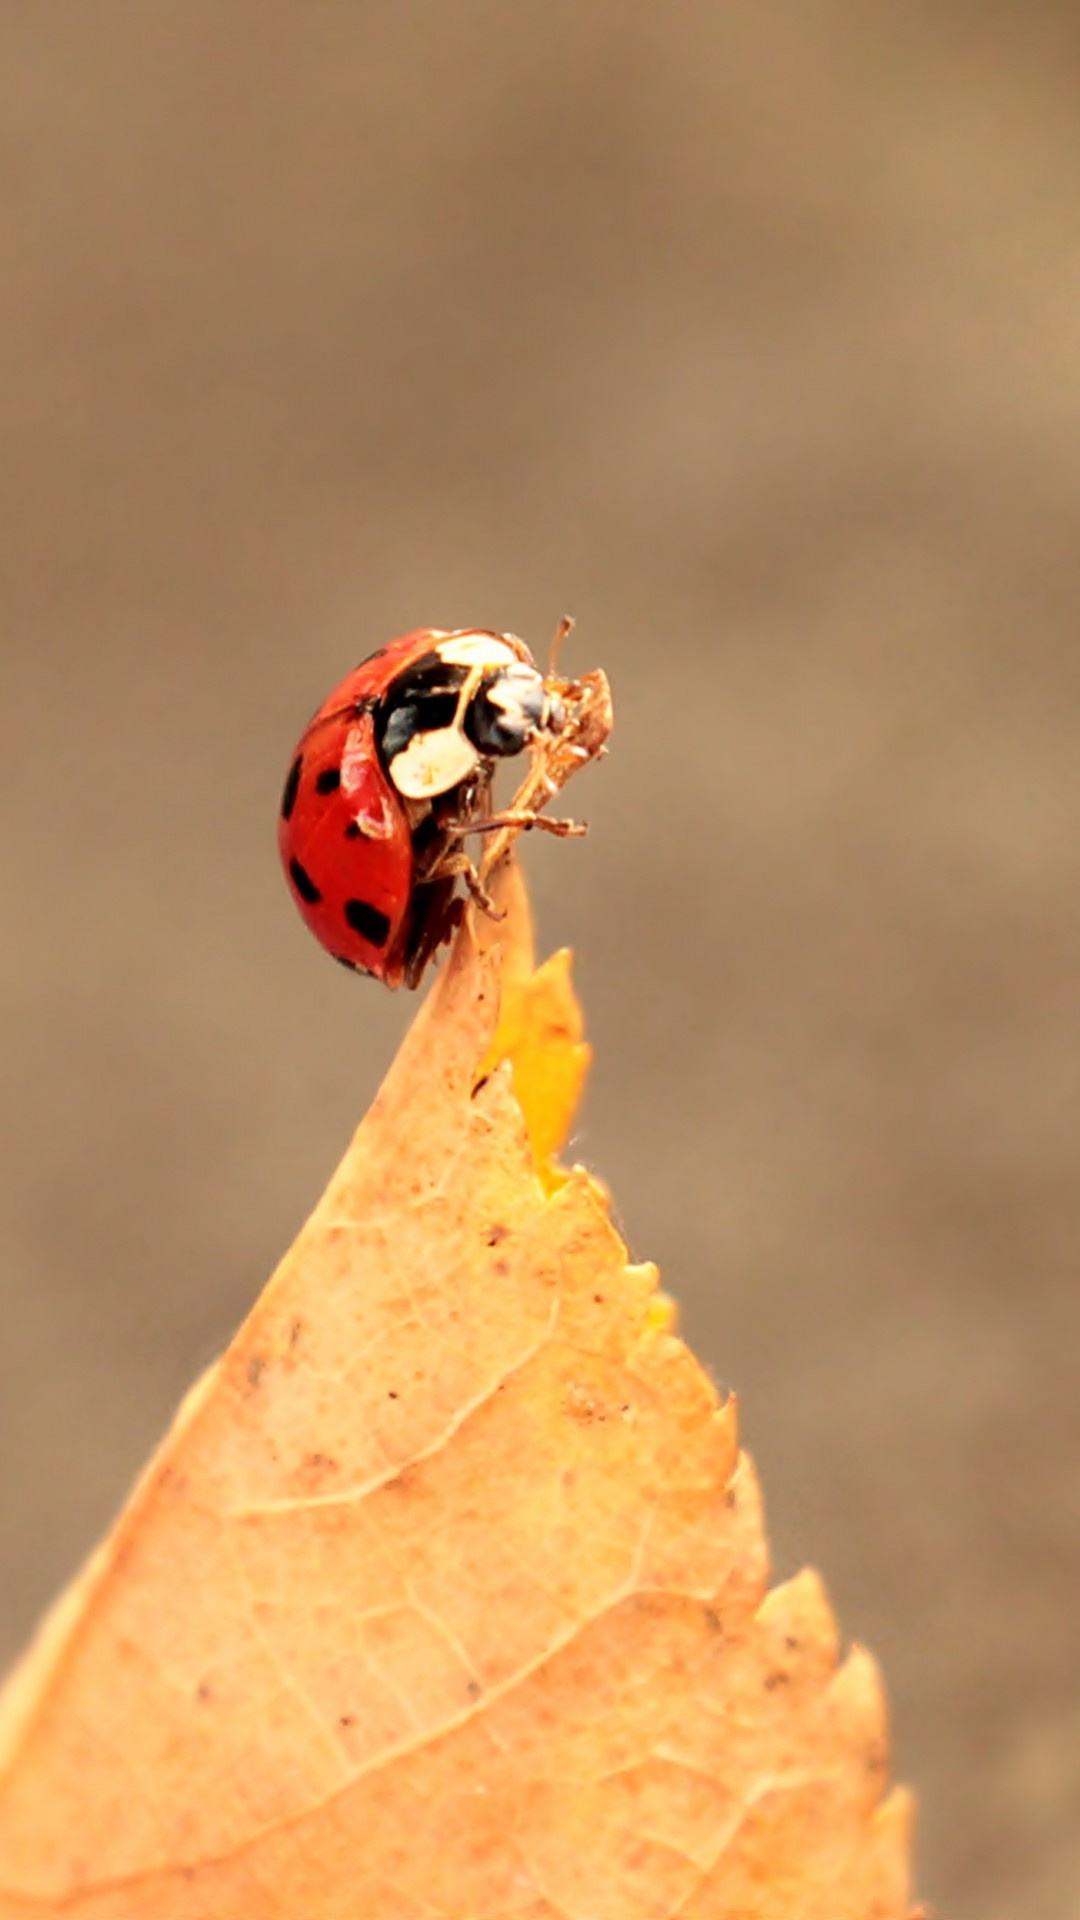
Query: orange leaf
{"x": 445, "y": 1597}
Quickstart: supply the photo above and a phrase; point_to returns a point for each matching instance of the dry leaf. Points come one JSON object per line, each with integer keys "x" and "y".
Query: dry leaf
{"x": 445, "y": 1597}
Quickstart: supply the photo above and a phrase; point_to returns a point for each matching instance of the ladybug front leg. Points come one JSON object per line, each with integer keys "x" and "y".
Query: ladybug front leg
{"x": 478, "y": 817}
{"x": 518, "y": 817}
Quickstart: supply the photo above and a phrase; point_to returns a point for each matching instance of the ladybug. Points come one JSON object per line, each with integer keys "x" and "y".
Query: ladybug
{"x": 391, "y": 774}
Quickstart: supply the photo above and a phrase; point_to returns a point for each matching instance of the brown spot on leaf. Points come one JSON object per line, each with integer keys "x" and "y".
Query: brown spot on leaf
{"x": 402, "y": 1482}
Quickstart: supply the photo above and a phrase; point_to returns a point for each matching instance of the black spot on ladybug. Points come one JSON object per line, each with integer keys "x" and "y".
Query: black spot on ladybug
{"x": 352, "y": 831}
{"x": 304, "y": 884}
{"x": 368, "y": 922}
{"x": 292, "y": 786}
{"x": 328, "y": 781}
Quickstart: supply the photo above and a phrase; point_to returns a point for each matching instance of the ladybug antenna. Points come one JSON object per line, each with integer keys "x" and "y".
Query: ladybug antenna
{"x": 564, "y": 627}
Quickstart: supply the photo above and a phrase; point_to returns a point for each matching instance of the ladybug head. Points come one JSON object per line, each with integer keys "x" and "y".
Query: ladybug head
{"x": 509, "y": 707}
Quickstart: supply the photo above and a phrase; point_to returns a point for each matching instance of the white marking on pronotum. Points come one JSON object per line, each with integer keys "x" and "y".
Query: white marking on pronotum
{"x": 475, "y": 650}
{"x": 433, "y": 763}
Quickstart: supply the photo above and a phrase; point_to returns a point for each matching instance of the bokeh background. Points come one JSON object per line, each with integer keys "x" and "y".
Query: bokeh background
{"x": 750, "y": 335}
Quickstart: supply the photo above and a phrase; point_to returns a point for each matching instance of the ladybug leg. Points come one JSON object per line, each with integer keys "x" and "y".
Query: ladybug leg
{"x": 539, "y": 789}
{"x": 447, "y": 863}
{"x": 518, "y": 817}
{"x": 457, "y": 864}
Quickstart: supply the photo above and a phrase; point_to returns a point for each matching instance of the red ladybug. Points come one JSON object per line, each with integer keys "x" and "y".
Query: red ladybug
{"x": 392, "y": 772}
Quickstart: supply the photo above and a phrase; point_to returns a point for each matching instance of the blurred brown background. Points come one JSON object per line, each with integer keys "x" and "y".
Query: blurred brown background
{"x": 751, "y": 335}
